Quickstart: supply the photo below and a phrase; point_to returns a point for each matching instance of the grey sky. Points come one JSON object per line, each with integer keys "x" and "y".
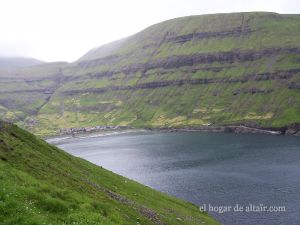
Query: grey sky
{"x": 63, "y": 30}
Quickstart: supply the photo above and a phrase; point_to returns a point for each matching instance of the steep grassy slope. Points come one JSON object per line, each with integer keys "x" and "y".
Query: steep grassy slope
{"x": 240, "y": 68}
{"x": 24, "y": 90}
{"x": 41, "y": 184}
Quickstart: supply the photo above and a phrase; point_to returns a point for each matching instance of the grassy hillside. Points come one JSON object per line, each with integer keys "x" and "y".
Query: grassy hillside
{"x": 238, "y": 68}
{"x": 25, "y": 90}
{"x": 41, "y": 184}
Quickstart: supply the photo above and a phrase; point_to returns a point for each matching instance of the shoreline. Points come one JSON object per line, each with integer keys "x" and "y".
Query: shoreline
{"x": 237, "y": 129}
{"x": 222, "y": 129}
{"x": 90, "y": 134}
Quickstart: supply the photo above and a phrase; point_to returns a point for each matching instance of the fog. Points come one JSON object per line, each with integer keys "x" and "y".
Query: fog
{"x": 63, "y": 30}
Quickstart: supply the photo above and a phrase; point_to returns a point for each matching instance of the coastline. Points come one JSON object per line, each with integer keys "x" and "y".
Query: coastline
{"x": 88, "y": 134}
{"x": 223, "y": 129}
{"x": 237, "y": 129}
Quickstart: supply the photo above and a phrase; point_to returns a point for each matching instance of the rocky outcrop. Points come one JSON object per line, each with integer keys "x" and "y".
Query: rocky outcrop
{"x": 241, "y": 129}
{"x": 206, "y": 58}
{"x": 294, "y": 85}
{"x": 238, "y": 31}
{"x": 39, "y": 90}
{"x": 96, "y": 62}
{"x": 280, "y": 75}
{"x": 253, "y": 90}
{"x": 177, "y": 61}
{"x": 293, "y": 129}
{"x": 248, "y": 130}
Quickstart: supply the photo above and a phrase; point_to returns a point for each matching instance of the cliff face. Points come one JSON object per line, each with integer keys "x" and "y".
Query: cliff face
{"x": 240, "y": 68}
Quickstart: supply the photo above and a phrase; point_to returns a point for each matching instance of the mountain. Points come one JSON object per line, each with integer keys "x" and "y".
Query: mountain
{"x": 41, "y": 184}
{"x": 104, "y": 50}
{"x": 13, "y": 62}
{"x": 221, "y": 69}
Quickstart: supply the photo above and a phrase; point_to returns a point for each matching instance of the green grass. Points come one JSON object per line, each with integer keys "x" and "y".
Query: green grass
{"x": 149, "y": 108}
{"x": 172, "y": 106}
{"x": 41, "y": 184}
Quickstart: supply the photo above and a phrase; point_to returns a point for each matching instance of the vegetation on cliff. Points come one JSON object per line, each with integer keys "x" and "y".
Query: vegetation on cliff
{"x": 238, "y": 68}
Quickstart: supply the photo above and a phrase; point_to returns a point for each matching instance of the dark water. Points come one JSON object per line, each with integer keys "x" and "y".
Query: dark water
{"x": 208, "y": 168}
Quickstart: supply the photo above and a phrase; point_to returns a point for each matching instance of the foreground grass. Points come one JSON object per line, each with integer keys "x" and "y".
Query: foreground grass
{"x": 41, "y": 184}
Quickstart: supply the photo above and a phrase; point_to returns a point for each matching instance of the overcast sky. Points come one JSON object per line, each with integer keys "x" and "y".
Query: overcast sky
{"x": 63, "y": 30}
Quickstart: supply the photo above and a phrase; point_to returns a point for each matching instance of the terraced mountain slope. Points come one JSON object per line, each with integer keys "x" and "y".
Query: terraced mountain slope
{"x": 24, "y": 91}
{"x": 239, "y": 68}
{"x": 41, "y": 184}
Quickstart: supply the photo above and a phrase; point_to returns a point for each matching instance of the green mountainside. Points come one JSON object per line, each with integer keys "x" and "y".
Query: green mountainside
{"x": 41, "y": 184}
{"x": 238, "y": 68}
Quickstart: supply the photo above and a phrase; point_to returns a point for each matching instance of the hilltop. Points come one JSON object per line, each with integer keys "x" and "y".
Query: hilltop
{"x": 8, "y": 63}
{"x": 221, "y": 69}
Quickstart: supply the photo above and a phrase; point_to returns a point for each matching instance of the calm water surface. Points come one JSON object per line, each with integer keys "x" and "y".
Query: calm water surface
{"x": 207, "y": 168}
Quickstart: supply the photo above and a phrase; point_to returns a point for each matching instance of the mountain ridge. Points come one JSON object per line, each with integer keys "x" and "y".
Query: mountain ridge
{"x": 10, "y": 63}
{"x": 222, "y": 69}
{"x": 98, "y": 49}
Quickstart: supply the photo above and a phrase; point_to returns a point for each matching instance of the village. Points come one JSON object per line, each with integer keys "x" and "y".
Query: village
{"x": 73, "y": 130}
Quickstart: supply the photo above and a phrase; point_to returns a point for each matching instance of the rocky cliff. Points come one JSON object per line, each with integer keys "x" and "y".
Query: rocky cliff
{"x": 223, "y": 69}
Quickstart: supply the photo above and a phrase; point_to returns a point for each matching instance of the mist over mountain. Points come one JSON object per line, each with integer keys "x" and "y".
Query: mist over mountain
{"x": 220, "y": 69}
{"x": 18, "y": 62}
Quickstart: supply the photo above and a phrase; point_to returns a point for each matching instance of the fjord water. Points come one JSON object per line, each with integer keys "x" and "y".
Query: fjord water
{"x": 217, "y": 169}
